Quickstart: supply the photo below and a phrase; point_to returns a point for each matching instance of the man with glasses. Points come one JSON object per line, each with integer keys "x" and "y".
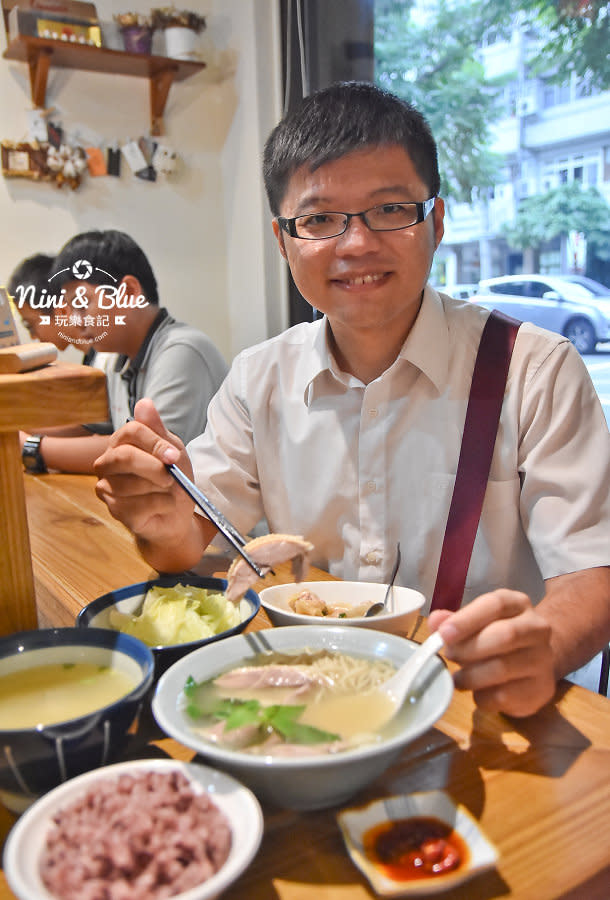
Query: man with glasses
{"x": 347, "y": 430}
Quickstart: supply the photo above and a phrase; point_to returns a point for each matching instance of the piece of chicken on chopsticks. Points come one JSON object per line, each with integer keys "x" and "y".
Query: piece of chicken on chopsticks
{"x": 268, "y": 551}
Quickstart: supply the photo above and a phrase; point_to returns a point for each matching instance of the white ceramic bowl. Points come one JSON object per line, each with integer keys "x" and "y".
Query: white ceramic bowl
{"x": 354, "y": 823}
{"x": 26, "y": 840}
{"x": 313, "y": 782}
{"x": 404, "y": 604}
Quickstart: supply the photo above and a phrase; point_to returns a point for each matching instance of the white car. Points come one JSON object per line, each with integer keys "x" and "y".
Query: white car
{"x": 459, "y": 291}
{"x": 574, "y": 306}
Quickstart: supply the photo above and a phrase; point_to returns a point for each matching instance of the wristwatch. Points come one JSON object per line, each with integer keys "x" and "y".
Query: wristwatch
{"x": 31, "y": 455}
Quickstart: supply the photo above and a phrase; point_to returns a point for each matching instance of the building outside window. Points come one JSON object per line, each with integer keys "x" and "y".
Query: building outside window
{"x": 545, "y": 133}
{"x": 534, "y": 133}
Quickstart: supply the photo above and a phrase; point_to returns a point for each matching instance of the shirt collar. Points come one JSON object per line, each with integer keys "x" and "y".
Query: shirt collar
{"x": 426, "y": 348}
{"x": 427, "y": 344}
{"x": 321, "y": 373}
{"x": 129, "y": 368}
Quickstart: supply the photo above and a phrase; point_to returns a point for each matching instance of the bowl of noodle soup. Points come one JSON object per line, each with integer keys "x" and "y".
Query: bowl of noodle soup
{"x": 295, "y": 712}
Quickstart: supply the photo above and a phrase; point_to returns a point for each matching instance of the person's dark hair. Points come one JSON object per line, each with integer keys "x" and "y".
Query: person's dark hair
{"x": 334, "y": 121}
{"x": 34, "y": 270}
{"x": 112, "y": 255}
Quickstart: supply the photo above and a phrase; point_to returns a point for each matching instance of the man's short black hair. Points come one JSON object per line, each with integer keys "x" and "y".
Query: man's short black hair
{"x": 110, "y": 253}
{"x": 34, "y": 270}
{"x": 342, "y": 118}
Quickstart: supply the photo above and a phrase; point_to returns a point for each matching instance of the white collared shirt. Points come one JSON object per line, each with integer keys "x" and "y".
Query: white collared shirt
{"x": 356, "y": 468}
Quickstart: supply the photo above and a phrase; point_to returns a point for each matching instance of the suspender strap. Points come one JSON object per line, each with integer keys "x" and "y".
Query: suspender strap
{"x": 478, "y": 440}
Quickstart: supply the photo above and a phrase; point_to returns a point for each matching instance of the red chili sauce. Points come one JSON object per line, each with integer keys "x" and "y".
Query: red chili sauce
{"x": 416, "y": 848}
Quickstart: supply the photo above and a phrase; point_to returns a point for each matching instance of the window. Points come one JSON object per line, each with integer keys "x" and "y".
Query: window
{"x": 514, "y": 288}
{"x": 591, "y": 173}
{"x": 556, "y": 154}
{"x": 580, "y": 168}
{"x": 536, "y": 288}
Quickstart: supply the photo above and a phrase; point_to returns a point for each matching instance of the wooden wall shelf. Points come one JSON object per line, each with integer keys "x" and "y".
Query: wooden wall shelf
{"x": 42, "y": 53}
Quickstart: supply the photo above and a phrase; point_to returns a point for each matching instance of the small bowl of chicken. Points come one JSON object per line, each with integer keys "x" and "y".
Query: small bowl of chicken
{"x": 342, "y": 603}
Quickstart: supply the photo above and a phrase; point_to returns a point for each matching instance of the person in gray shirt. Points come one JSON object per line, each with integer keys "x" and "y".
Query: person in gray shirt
{"x": 103, "y": 294}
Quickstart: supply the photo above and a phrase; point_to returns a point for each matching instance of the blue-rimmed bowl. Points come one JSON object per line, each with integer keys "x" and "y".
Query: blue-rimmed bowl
{"x": 34, "y": 760}
{"x": 130, "y": 599}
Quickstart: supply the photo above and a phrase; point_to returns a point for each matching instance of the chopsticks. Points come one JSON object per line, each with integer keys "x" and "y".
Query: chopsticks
{"x": 227, "y": 530}
{"x": 215, "y": 516}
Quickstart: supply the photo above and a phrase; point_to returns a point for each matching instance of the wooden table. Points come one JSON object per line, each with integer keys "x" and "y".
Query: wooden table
{"x": 539, "y": 787}
{"x": 58, "y": 394}
{"x": 79, "y": 552}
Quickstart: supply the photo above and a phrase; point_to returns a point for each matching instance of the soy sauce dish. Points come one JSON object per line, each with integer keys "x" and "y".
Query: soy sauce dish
{"x": 415, "y": 844}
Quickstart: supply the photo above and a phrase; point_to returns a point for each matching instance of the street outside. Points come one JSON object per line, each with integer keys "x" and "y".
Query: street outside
{"x": 598, "y": 365}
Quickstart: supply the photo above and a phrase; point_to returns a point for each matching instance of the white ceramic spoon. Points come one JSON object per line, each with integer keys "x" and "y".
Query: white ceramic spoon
{"x": 399, "y": 685}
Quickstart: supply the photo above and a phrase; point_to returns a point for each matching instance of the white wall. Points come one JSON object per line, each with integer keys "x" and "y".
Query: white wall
{"x": 207, "y": 231}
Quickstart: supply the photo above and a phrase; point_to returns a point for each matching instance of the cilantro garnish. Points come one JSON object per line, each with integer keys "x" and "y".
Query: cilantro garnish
{"x": 281, "y": 718}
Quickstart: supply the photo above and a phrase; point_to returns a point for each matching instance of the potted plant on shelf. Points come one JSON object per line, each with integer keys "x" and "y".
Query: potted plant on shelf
{"x": 181, "y": 28}
{"x": 137, "y": 31}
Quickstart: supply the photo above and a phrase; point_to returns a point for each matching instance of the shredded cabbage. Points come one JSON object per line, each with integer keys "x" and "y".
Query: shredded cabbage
{"x": 179, "y": 614}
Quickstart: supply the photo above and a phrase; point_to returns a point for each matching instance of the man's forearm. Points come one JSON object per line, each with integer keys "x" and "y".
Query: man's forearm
{"x": 73, "y": 454}
{"x": 65, "y": 431}
{"x": 577, "y": 607}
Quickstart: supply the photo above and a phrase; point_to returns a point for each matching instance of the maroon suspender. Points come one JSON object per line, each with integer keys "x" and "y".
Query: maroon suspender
{"x": 478, "y": 440}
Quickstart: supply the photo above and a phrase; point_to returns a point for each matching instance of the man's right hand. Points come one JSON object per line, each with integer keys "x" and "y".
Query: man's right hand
{"x": 138, "y": 490}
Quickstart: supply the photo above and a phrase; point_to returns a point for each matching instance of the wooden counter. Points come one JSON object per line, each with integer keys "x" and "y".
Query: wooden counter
{"x": 539, "y": 787}
{"x": 79, "y": 552}
{"x": 58, "y": 394}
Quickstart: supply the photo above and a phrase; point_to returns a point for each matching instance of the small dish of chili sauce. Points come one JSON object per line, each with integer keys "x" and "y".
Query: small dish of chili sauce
{"x": 421, "y": 843}
{"x": 418, "y": 847}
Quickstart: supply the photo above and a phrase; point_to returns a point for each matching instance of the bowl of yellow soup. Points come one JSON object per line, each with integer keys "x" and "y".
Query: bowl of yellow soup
{"x": 68, "y": 697}
{"x": 172, "y": 614}
{"x": 296, "y": 713}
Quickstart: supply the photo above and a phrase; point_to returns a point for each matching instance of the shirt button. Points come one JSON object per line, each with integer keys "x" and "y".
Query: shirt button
{"x": 371, "y": 486}
{"x": 373, "y": 413}
{"x": 372, "y": 558}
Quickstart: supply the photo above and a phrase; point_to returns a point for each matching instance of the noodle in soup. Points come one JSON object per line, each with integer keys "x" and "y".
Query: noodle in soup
{"x": 310, "y": 702}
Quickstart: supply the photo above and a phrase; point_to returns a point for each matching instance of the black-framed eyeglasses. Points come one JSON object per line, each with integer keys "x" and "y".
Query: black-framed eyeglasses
{"x": 387, "y": 217}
